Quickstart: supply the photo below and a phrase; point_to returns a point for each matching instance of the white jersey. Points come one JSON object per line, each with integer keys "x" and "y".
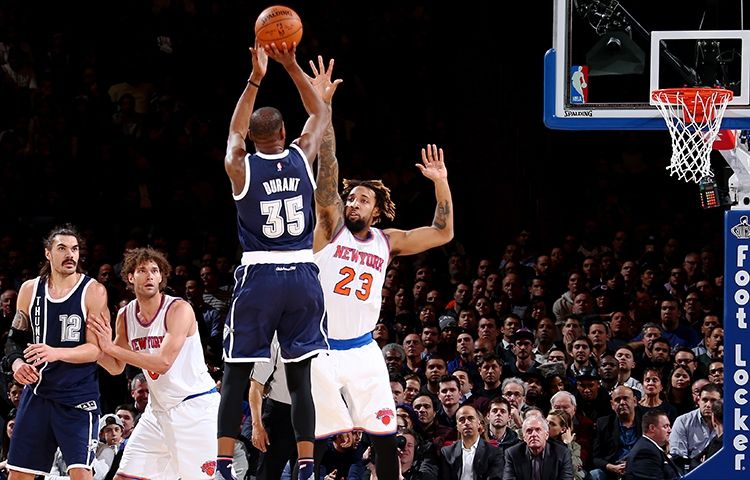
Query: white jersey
{"x": 188, "y": 375}
{"x": 352, "y": 273}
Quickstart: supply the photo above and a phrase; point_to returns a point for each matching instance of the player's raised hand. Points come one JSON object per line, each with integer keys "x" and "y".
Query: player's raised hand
{"x": 259, "y": 57}
{"x": 321, "y": 79}
{"x": 284, "y": 54}
{"x": 433, "y": 165}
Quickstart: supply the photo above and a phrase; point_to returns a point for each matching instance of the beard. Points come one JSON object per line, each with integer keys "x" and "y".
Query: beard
{"x": 355, "y": 225}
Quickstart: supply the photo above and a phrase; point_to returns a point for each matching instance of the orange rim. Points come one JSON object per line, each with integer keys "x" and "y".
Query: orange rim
{"x": 670, "y": 95}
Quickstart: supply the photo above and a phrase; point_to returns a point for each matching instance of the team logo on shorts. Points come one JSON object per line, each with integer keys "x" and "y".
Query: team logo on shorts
{"x": 384, "y": 415}
{"x": 209, "y": 468}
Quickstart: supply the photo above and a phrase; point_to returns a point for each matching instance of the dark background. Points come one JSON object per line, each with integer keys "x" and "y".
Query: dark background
{"x": 467, "y": 77}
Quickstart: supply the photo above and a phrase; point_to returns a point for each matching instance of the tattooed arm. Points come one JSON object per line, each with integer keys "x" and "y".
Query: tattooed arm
{"x": 329, "y": 209}
{"x": 410, "y": 242}
{"x": 18, "y": 339}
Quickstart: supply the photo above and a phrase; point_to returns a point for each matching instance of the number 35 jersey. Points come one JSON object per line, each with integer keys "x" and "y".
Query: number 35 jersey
{"x": 352, "y": 273}
{"x": 275, "y": 210}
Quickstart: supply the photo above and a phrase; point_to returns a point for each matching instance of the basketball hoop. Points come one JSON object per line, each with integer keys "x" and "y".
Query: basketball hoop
{"x": 693, "y": 117}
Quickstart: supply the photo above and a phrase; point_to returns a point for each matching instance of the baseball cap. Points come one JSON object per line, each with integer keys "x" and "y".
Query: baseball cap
{"x": 446, "y": 321}
{"x": 587, "y": 374}
{"x": 109, "y": 419}
{"x": 522, "y": 333}
{"x": 600, "y": 290}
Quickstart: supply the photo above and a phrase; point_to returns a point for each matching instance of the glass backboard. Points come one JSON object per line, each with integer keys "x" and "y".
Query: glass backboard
{"x": 608, "y": 56}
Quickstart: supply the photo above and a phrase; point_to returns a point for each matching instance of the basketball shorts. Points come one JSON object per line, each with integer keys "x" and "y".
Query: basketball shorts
{"x": 282, "y": 298}
{"x": 42, "y": 426}
{"x": 352, "y": 391}
{"x": 177, "y": 443}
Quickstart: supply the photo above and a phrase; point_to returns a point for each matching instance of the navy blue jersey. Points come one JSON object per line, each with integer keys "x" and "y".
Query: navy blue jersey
{"x": 61, "y": 323}
{"x": 275, "y": 211}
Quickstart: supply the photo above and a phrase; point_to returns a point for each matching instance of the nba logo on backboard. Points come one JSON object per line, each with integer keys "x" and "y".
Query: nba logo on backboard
{"x": 579, "y": 84}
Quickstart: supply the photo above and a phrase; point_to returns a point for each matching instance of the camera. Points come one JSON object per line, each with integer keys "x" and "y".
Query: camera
{"x": 400, "y": 442}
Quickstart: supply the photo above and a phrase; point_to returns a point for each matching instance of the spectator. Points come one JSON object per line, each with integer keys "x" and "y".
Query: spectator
{"x": 560, "y": 430}
{"x": 470, "y": 456}
{"x": 717, "y": 419}
{"x": 653, "y": 399}
{"x": 616, "y": 435}
{"x": 693, "y": 431}
{"x": 139, "y": 392}
{"x": 498, "y": 423}
{"x": 128, "y": 415}
{"x": 647, "y": 460}
{"x": 536, "y": 458}
{"x": 395, "y": 357}
{"x": 10, "y": 422}
{"x": 583, "y": 427}
{"x": 625, "y": 357}
{"x": 426, "y": 407}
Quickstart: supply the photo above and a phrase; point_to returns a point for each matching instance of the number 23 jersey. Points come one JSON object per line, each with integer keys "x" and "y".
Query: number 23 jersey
{"x": 352, "y": 273}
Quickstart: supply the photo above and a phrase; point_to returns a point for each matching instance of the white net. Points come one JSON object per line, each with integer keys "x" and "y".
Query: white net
{"x": 693, "y": 117}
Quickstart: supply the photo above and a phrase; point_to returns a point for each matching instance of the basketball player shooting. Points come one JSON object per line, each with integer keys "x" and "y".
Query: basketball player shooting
{"x": 273, "y": 192}
{"x": 352, "y": 256}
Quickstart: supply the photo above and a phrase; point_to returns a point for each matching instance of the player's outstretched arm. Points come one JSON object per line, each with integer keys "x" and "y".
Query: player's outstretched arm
{"x": 319, "y": 112}
{"x": 96, "y": 304}
{"x": 329, "y": 209}
{"x": 234, "y": 161}
{"x": 410, "y": 242}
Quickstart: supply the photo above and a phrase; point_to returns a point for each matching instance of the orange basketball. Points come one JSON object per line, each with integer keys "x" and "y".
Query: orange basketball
{"x": 278, "y": 24}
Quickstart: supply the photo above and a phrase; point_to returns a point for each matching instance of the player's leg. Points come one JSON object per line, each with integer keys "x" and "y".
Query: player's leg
{"x": 146, "y": 455}
{"x": 80, "y": 474}
{"x": 302, "y": 335}
{"x": 32, "y": 450}
{"x": 367, "y": 392}
{"x": 303, "y": 414}
{"x": 282, "y": 447}
{"x": 249, "y": 329}
{"x": 16, "y": 475}
{"x": 190, "y": 436}
{"x": 233, "y": 387}
{"x": 386, "y": 456}
{"x": 77, "y": 433}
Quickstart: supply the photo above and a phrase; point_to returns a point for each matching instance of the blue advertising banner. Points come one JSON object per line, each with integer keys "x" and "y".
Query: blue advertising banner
{"x": 733, "y": 460}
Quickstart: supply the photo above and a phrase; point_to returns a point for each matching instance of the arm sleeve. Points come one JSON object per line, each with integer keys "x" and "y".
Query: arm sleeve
{"x": 678, "y": 438}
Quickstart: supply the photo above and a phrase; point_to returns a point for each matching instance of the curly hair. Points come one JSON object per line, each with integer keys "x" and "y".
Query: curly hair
{"x": 137, "y": 256}
{"x": 382, "y": 196}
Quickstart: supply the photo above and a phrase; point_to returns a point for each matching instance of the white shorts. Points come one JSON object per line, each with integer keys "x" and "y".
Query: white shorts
{"x": 177, "y": 443}
{"x": 352, "y": 391}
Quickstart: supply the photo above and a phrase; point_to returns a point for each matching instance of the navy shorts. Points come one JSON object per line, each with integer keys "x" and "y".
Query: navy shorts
{"x": 282, "y": 298}
{"x": 43, "y": 425}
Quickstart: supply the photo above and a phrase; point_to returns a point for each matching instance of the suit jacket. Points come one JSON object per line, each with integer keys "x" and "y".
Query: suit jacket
{"x": 488, "y": 461}
{"x": 648, "y": 462}
{"x": 607, "y": 439}
{"x": 556, "y": 464}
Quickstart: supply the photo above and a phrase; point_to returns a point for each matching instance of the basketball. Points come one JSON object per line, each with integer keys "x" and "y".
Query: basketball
{"x": 278, "y": 24}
